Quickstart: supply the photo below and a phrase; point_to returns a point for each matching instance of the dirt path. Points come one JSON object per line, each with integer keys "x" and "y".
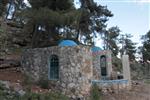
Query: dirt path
{"x": 11, "y": 76}
{"x": 138, "y": 92}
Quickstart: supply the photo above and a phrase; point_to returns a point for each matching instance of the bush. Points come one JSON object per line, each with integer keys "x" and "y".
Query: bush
{"x": 56, "y": 96}
{"x": 95, "y": 93}
{"x": 27, "y": 80}
{"x": 43, "y": 83}
{"x": 31, "y": 96}
{"x": 117, "y": 64}
{"x": 8, "y": 94}
{"x": 2, "y": 86}
{"x": 48, "y": 96}
{"x": 147, "y": 81}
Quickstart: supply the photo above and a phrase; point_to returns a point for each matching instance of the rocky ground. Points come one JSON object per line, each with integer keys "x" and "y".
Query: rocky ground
{"x": 139, "y": 91}
{"x": 14, "y": 87}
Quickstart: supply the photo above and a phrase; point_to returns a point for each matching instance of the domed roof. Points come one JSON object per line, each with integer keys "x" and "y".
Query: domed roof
{"x": 67, "y": 43}
{"x": 96, "y": 49}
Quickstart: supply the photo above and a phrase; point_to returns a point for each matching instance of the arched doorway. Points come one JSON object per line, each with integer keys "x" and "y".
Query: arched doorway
{"x": 103, "y": 65}
{"x": 54, "y": 67}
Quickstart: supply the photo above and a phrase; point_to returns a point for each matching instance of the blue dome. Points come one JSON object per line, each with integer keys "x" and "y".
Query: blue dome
{"x": 67, "y": 43}
{"x": 96, "y": 49}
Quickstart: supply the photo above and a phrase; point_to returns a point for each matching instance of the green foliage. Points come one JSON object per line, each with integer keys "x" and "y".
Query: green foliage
{"x": 58, "y": 20}
{"x": 52, "y": 4}
{"x": 93, "y": 20}
{"x": 3, "y": 40}
{"x": 137, "y": 70}
{"x": 43, "y": 83}
{"x": 2, "y": 6}
{"x": 2, "y": 86}
{"x": 56, "y": 96}
{"x": 95, "y": 93}
{"x": 117, "y": 64}
{"x": 48, "y": 96}
{"x": 6, "y": 94}
{"x": 1, "y": 30}
{"x": 111, "y": 39}
{"x": 31, "y": 96}
{"x": 51, "y": 15}
{"x": 128, "y": 46}
{"x": 54, "y": 16}
{"x": 27, "y": 82}
{"x": 147, "y": 81}
{"x": 145, "y": 50}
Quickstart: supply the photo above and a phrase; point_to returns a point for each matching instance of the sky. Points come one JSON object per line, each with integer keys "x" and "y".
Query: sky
{"x": 131, "y": 16}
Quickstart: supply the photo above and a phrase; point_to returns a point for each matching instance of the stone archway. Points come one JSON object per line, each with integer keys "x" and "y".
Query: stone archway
{"x": 54, "y": 67}
{"x": 103, "y": 65}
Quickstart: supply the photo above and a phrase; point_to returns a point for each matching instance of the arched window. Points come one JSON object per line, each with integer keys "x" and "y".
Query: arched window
{"x": 103, "y": 65}
{"x": 54, "y": 67}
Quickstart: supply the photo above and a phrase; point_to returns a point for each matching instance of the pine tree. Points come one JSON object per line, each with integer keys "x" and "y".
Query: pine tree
{"x": 111, "y": 38}
{"x": 146, "y": 47}
{"x": 93, "y": 20}
{"x": 128, "y": 47}
{"x": 46, "y": 22}
{"x": 46, "y": 18}
{"x": 2, "y": 6}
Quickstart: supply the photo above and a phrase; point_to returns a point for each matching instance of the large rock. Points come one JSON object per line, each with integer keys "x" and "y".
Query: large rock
{"x": 4, "y": 63}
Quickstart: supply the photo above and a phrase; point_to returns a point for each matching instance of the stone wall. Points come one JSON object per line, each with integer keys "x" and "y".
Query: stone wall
{"x": 75, "y": 68}
{"x": 126, "y": 69}
{"x": 97, "y": 65}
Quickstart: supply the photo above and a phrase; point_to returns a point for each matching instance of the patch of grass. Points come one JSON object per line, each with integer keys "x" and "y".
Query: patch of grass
{"x": 31, "y": 96}
{"x": 95, "y": 93}
{"x": 6, "y": 94}
{"x": 1, "y": 30}
{"x": 43, "y": 83}
{"x": 56, "y": 96}
{"x": 147, "y": 81}
{"x": 48, "y": 96}
{"x": 2, "y": 86}
{"x": 15, "y": 50}
{"x": 27, "y": 82}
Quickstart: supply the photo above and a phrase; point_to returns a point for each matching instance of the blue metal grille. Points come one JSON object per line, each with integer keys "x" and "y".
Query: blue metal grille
{"x": 54, "y": 67}
{"x": 103, "y": 65}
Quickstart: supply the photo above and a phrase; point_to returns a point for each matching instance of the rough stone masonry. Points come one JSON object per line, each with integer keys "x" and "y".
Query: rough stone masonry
{"x": 75, "y": 68}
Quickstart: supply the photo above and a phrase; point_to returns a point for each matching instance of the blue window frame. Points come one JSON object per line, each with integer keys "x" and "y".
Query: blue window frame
{"x": 54, "y": 67}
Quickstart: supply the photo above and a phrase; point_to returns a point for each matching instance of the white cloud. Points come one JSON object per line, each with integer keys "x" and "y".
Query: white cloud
{"x": 144, "y": 1}
{"x": 27, "y": 2}
{"x": 124, "y": 1}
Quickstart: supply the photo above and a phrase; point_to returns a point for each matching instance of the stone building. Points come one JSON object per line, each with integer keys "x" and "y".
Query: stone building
{"x": 102, "y": 63}
{"x": 68, "y": 67}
